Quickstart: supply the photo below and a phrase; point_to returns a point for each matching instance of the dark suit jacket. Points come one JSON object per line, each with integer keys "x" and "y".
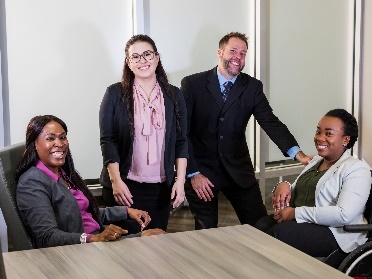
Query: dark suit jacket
{"x": 117, "y": 143}
{"x": 216, "y": 130}
{"x": 50, "y": 212}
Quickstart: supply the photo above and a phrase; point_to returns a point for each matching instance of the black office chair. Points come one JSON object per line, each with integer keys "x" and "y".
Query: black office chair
{"x": 9, "y": 159}
{"x": 2, "y": 268}
{"x": 357, "y": 263}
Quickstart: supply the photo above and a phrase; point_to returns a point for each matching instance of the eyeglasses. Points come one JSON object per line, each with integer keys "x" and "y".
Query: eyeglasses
{"x": 147, "y": 55}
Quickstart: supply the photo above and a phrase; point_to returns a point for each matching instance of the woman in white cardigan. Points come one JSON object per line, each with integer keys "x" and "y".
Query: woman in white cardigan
{"x": 329, "y": 193}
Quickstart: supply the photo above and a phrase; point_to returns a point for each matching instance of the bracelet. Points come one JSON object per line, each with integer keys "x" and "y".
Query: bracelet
{"x": 83, "y": 238}
{"x": 290, "y": 185}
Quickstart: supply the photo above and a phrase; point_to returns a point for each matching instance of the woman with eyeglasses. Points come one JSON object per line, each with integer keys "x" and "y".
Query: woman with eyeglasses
{"x": 143, "y": 136}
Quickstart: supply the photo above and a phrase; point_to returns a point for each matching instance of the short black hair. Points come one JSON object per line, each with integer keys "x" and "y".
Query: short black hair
{"x": 350, "y": 124}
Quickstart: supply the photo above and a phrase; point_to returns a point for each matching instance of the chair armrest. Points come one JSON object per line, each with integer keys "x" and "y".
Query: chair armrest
{"x": 358, "y": 228}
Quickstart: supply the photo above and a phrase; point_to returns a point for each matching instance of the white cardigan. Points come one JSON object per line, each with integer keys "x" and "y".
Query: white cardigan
{"x": 340, "y": 198}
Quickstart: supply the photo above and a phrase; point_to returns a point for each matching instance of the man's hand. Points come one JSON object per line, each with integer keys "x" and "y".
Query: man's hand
{"x": 202, "y": 187}
{"x": 303, "y": 159}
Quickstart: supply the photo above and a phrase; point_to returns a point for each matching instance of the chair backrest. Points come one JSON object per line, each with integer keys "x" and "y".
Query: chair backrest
{"x": 2, "y": 267}
{"x": 10, "y": 156}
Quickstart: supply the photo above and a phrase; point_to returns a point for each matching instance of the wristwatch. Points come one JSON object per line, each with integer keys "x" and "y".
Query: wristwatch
{"x": 83, "y": 238}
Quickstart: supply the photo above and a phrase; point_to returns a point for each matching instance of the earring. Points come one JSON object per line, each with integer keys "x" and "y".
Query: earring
{"x": 344, "y": 144}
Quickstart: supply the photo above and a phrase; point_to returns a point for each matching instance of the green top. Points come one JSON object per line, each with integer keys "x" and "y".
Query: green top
{"x": 304, "y": 192}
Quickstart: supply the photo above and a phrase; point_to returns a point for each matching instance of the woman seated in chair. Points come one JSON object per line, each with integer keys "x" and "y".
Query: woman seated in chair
{"x": 330, "y": 192}
{"x": 55, "y": 205}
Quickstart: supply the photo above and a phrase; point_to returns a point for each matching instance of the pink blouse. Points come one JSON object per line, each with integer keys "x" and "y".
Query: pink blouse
{"x": 149, "y": 136}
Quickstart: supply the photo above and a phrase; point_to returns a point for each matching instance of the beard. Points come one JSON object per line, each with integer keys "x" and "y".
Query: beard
{"x": 230, "y": 71}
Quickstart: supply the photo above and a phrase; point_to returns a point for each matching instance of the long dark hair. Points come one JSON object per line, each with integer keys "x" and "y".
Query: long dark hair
{"x": 127, "y": 81}
{"x": 30, "y": 158}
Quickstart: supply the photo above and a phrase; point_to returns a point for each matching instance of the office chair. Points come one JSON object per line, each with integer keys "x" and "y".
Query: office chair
{"x": 2, "y": 268}
{"x": 357, "y": 263}
{"x": 9, "y": 159}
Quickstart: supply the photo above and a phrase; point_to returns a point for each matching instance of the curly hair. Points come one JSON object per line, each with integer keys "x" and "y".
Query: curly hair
{"x": 350, "y": 127}
{"x": 128, "y": 80}
{"x": 30, "y": 158}
{"x": 225, "y": 39}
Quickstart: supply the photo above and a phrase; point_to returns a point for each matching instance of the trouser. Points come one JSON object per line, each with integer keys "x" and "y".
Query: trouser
{"x": 312, "y": 239}
{"x": 247, "y": 202}
{"x": 151, "y": 197}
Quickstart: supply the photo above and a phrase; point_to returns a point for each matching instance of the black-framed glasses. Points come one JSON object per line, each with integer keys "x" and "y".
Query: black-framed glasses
{"x": 147, "y": 55}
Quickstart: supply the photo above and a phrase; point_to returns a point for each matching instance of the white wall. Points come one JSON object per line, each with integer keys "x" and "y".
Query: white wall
{"x": 187, "y": 34}
{"x": 1, "y": 110}
{"x": 62, "y": 54}
{"x": 309, "y": 64}
{"x": 366, "y": 82}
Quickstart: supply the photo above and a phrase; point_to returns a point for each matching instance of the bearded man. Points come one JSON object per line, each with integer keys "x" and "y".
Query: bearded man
{"x": 219, "y": 105}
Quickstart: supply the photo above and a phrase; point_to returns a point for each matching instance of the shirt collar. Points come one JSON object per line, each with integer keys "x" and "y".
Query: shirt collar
{"x": 40, "y": 165}
{"x": 222, "y": 79}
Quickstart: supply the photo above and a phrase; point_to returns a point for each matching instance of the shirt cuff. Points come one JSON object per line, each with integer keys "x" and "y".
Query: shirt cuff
{"x": 293, "y": 151}
{"x": 192, "y": 174}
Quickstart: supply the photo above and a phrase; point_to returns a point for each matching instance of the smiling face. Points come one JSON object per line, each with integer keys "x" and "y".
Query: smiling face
{"x": 52, "y": 146}
{"x": 144, "y": 68}
{"x": 232, "y": 57}
{"x": 329, "y": 138}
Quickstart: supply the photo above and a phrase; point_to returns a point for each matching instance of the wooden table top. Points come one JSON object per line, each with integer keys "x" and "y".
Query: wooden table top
{"x": 227, "y": 252}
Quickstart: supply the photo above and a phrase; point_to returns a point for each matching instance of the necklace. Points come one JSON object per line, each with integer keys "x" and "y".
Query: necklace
{"x": 148, "y": 94}
{"x": 66, "y": 179}
{"x": 320, "y": 166}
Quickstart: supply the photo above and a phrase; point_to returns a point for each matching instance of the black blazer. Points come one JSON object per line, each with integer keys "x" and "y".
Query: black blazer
{"x": 116, "y": 140}
{"x": 216, "y": 130}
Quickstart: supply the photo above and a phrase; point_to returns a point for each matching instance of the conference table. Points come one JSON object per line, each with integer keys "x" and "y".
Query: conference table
{"x": 227, "y": 252}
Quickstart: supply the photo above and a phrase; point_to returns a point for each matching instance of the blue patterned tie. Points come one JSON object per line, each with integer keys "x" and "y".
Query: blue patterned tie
{"x": 226, "y": 91}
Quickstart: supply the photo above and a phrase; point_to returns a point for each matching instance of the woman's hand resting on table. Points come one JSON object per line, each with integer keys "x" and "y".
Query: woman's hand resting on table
{"x": 152, "y": 232}
{"x": 113, "y": 232}
{"x": 110, "y": 233}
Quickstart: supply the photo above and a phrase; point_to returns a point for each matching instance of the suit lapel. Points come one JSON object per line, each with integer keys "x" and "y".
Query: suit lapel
{"x": 236, "y": 91}
{"x": 214, "y": 89}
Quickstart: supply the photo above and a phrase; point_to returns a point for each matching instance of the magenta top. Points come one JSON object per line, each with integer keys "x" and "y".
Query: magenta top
{"x": 90, "y": 225}
{"x": 149, "y": 136}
